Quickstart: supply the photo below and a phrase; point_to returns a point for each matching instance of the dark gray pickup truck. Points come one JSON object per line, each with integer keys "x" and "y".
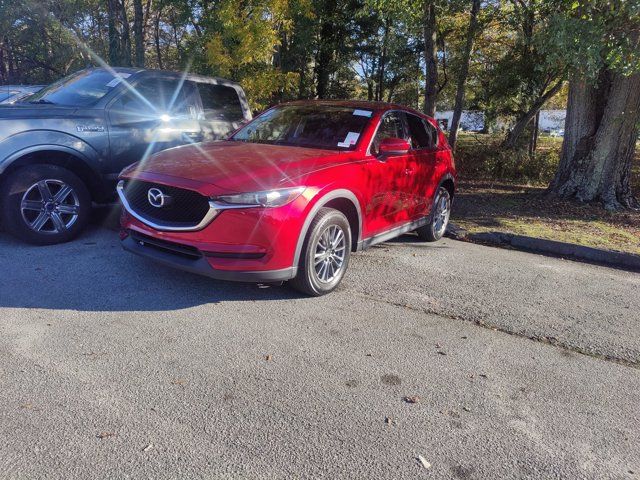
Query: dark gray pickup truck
{"x": 62, "y": 149}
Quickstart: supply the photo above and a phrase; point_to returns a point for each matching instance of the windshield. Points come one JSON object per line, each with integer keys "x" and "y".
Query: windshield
{"x": 80, "y": 89}
{"x": 313, "y": 126}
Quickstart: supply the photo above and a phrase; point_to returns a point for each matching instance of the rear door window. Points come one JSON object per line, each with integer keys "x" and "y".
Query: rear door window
{"x": 155, "y": 96}
{"x": 220, "y": 102}
{"x": 423, "y": 135}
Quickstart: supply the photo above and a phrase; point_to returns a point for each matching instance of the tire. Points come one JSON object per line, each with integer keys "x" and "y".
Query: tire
{"x": 44, "y": 204}
{"x": 316, "y": 280}
{"x": 438, "y": 218}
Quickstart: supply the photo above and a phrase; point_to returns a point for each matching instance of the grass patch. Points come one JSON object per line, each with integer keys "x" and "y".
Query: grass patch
{"x": 502, "y": 192}
{"x": 526, "y": 210}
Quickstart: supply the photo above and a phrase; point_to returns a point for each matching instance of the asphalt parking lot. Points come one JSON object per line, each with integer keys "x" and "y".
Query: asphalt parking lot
{"x": 520, "y": 366}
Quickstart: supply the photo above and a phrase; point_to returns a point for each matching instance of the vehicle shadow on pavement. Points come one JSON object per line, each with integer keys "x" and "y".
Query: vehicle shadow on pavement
{"x": 93, "y": 273}
{"x": 412, "y": 239}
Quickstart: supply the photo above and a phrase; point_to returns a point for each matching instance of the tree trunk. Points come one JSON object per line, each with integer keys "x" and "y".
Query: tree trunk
{"x": 535, "y": 132}
{"x": 157, "y": 40}
{"x": 431, "y": 58}
{"x": 324, "y": 59}
{"x": 520, "y": 126}
{"x": 119, "y": 37}
{"x": 3, "y": 67}
{"x": 126, "y": 36}
{"x": 138, "y": 31}
{"x": 114, "y": 37}
{"x": 382, "y": 64}
{"x": 464, "y": 72}
{"x": 601, "y": 130}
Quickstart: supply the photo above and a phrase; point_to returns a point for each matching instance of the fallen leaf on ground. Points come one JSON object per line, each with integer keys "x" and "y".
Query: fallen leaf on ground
{"x": 267, "y": 358}
{"x": 102, "y": 435}
{"x": 424, "y": 462}
{"x": 412, "y": 399}
{"x": 148, "y": 447}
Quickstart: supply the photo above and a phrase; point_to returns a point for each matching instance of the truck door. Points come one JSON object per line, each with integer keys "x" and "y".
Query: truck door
{"x": 156, "y": 114}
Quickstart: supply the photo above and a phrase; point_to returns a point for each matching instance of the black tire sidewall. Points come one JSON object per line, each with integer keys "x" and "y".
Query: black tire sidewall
{"x": 14, "y": 187}
{"x": 306, "y": 279}
{"x": 428, "y": 232}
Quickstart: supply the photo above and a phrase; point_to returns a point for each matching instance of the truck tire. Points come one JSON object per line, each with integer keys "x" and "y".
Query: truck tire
{"x": 44, "y": 204}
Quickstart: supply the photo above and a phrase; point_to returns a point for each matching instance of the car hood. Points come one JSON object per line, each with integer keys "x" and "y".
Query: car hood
{"x": 231, "y": 166}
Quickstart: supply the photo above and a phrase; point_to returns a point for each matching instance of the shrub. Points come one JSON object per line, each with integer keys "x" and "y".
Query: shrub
{"x": 480, "y": 156}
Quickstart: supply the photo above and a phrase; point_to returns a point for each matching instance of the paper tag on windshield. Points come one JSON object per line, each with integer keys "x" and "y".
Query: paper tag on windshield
{"x": 362, "y": 113}
{"x": 118, "y": 79}
{"x": 351, "y": 139}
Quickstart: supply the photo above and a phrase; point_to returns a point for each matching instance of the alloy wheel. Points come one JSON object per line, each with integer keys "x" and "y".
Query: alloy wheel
{"x": 330, "y": 254}
{"x": 50, "y": 207}
{"x": 442, "y": 212}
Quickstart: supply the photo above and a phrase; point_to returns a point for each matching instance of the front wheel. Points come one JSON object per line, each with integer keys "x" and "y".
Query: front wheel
{"x": 438, "y": 218}
{"x": 325, "y": 254}
{"x": 44, "y": 204}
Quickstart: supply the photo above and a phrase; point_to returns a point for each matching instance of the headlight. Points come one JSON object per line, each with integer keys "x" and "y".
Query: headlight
{"x": 268, "y": 198}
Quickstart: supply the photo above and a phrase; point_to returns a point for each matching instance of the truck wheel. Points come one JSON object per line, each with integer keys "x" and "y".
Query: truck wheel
{"x": 325, "y": 254}
{"x": 44, "y": 204}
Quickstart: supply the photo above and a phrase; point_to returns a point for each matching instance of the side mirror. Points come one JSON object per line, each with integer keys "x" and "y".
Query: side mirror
{"x": 393, "y": 146}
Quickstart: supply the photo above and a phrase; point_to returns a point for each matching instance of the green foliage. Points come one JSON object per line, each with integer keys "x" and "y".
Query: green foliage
{"x": 480, "y": 157}
{"x": 286, "y": 49}
{"x": 244, "y": 44}
{"x": 588, "y": 35}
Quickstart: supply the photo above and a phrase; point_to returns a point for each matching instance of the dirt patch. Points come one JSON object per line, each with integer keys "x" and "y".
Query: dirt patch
{"x": 484, "y": 206}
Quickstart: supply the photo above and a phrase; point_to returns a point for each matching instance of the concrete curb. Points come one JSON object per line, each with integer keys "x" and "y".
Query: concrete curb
{"x": 625, "y": 261}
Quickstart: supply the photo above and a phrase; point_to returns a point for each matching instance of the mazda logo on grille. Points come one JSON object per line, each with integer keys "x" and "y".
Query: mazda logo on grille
{"x": 157, "y": 198}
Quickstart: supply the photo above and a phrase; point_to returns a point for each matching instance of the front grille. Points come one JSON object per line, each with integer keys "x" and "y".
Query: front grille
{"x": 185, "y": 208}
{"x": 186, "y": 251}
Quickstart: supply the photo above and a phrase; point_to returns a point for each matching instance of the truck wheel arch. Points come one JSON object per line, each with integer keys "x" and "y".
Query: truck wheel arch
{"x": 63, "y": 157}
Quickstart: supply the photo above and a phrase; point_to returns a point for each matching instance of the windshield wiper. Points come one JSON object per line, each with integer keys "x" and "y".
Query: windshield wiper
{"x": 42, "y": 101}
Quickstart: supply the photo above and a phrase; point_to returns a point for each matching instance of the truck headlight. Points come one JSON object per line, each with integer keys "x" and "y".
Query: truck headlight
{"x": 267, "y": 198}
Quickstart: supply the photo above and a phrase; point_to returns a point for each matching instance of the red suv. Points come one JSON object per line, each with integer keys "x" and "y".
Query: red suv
{"x": 291, "y": 194}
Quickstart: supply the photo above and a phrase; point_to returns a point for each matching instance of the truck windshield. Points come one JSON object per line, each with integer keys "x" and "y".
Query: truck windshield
{"x": 312, "y": 126}
{"x": 81, "y": 89}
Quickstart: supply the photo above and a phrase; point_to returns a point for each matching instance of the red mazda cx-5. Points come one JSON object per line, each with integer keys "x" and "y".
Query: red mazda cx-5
{"x": 291, "y": 194}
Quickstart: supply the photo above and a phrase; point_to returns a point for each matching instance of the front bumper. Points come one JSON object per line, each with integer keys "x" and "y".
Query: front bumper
{"x": 190, "y": 261}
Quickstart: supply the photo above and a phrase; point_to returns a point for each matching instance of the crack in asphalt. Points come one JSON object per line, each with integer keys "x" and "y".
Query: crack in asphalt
{"x": 496, "y": 328}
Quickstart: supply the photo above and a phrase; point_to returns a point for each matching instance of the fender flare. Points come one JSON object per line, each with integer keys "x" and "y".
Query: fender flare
{"x": 8, "y": 161}
{"x": 34, "y": 141}
{"x": 332, "y": 195}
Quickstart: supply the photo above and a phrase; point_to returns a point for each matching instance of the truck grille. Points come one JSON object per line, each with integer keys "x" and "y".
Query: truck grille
{"x": 182, "y": 209}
